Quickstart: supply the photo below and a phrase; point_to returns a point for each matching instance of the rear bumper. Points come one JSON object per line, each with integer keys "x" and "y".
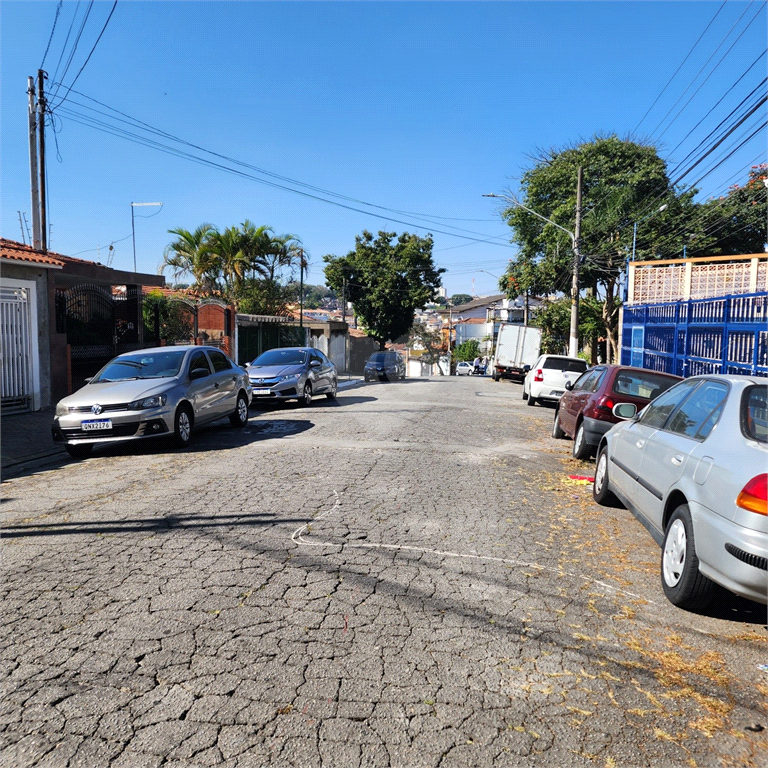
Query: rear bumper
{"x": 594, "y": 429}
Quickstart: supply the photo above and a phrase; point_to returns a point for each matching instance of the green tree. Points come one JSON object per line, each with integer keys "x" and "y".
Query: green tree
{"x": 624, "y": 182}
{"x": 191, "y": 254}
{"x": 460, "y": 298}
{"x": 261, "y": 296}
{"x": 468, "y": 350}
{"x": 738, "y": 220}
{"x": 386, "y": 281}
{"x": 427, "y": 340}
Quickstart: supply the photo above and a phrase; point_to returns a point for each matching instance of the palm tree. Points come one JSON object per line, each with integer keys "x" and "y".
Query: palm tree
{"x": 285, "y": 250}
{"x": 191, "y": 255}
{"x": 257, "y": 242}
{"x": 229, "y": 248}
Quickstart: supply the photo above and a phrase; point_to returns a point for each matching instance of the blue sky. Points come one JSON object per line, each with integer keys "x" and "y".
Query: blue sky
{"x": 416, "y": 108}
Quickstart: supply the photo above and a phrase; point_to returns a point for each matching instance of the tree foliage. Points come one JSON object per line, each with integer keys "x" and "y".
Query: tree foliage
{"x": 386, "y": 279}
{"x": 460, "y": 298}
{"x": 429, "y": 341}
{"x": 468, "y": 350}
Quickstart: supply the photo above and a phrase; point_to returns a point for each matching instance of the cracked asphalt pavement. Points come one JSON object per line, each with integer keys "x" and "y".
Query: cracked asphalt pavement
{"x": 403, "y": 577}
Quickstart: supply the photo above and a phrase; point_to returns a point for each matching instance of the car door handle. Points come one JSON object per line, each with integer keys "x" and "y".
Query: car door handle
{"x": 677, "y": 460}
{"x": 640, "y": 443}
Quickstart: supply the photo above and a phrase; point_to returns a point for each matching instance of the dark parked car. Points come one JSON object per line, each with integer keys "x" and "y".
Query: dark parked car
{"x": 585, "y": 412}
{"x": 384, "y": 365}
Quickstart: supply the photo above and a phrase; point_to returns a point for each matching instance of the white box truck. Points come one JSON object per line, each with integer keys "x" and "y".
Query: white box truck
{"x": 517, "y": 346}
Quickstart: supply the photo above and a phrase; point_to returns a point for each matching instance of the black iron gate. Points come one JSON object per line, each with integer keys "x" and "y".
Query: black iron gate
{"x": 99, "y": 324}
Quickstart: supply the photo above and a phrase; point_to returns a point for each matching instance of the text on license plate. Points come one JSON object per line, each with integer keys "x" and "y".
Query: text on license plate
{"x": 89, "y": 426}
{"x": 262, "y": 391}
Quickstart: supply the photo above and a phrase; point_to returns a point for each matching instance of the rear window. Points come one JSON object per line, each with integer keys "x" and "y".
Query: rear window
{"x": 754, "y": 413}
{"x": 561, "y": 364}
{"x": 382, "y": 357}
{"x": 643, "y": 384}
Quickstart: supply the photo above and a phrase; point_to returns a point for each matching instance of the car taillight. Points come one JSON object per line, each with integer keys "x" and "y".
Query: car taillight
{"x": 539, "y": 375}
{"x": 753, "y": 496}
{"x": 605, "y": 404}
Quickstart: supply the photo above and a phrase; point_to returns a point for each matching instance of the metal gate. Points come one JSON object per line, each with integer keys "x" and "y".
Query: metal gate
{"x": 99, "y": 325}
{"x": 17, "y": 360}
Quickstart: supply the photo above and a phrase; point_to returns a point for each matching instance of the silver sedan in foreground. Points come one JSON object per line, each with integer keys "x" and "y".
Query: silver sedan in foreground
{"x": 150, "y": 393}
{"x": 691, "y": 466}
{"x": 292, "y": 373}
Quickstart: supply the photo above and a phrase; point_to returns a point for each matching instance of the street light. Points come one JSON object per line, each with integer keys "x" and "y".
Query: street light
{"x": 133, "y": 229}
{"x": 573, "y": 341}
{"x": 634, "y": 245}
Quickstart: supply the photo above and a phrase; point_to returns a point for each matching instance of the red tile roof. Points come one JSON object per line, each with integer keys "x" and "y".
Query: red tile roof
{"x": 13, "y": 251}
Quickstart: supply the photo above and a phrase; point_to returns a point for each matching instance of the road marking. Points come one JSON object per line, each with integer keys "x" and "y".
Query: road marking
{"x": 297, "y": 537}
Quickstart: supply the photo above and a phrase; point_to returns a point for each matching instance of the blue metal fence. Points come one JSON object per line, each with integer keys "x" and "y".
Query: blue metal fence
{"x": 728, "y": 334}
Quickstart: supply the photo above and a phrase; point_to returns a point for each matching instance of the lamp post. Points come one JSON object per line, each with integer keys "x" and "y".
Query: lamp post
{"x": 573, "y": 340}
{"x": 133, "y": 228}
{"x": 634, "y": 245}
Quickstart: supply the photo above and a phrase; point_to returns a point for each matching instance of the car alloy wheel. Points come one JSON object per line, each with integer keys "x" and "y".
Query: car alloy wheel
{"x": 601, "y": 492}
{"x": 334, "y": 388}
{"x": 182, "y": 426}
{"x": 240, "y": 417}
{"x": 306, "y": 397}
{"x": 580, "y": 448}
{"x": 557, "y": 430}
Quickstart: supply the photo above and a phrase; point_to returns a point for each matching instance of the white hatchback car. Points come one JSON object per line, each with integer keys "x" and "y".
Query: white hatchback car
{"x": 464, "y": 368}
{"x": 691, "y": 466}
{"x": 547, "y": 378}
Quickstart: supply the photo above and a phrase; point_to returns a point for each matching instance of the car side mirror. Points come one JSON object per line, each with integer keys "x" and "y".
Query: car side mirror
{"x": 625, "y": 411}
{"x": 198, "y": 373}
{"x": 569, "y": 385}
{"x": 315, "y": 364}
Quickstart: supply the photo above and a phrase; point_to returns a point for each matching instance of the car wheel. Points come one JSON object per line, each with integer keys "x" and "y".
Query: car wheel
{"x": 334, "y": 388}
{"x": 525, "y": 394}
{"x": 601, "y": 491}
{"x": 240, "y": 417}
{"x": 557, "y": 430}
{"x": 79, "y": 451}
{"x": 532, "y": 400}
{"x": 684, "y": 585}
{"x": 182, "y": 426}
{"x": 306, "y": 396}
{"x": 581, "y": 450}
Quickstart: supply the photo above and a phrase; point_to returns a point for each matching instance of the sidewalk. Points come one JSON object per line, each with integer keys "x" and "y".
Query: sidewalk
{"x": 26, "y": 437}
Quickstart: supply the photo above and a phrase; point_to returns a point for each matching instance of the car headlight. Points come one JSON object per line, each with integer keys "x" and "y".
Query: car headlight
{"x": 148, "y": 402}
{"x": 61, "y": 410}
{"x": 289, "y": 377}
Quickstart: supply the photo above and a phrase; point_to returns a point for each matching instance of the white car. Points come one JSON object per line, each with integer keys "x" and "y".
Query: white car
{"x": 464, "y": 368}
{"x": 547, "y": 378}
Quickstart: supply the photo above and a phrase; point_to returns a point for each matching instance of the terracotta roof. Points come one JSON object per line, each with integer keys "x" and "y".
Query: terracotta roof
{"x": 13, "y": 251}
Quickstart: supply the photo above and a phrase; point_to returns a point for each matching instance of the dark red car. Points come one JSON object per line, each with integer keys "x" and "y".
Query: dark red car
{"x": 585, "y": 411}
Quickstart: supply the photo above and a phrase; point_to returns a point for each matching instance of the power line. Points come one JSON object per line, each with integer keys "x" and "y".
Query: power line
{"x": 53, "y": 29}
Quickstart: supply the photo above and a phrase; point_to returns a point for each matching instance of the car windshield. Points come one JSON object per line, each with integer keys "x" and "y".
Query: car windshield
{"x": 754, "y": 413}
{"x": 281, "y": 357}
{"x": 564, "y": 364}
{"x": 159, "y": 365}
{"x": 641, "y": 384}
{"x": 381, "y": 357}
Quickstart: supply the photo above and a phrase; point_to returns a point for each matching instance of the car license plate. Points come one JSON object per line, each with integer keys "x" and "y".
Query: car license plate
{"x": 89, "y": 426}
{"x": 262, "y": 391}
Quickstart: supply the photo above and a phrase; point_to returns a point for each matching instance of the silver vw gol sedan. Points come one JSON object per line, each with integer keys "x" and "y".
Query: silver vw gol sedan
{"x": 691, "y": 466}
{"x": 150, "y": 393}
{"x": 292, "y": 373}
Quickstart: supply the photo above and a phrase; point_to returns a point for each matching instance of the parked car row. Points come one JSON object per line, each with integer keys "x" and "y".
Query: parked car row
{"x": 686, "y": 456}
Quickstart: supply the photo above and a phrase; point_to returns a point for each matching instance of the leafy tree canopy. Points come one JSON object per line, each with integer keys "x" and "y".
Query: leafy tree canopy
{"x": 468, "y": 350}
{"x": 386, "y": 279}
{"x": 460, "y": 298}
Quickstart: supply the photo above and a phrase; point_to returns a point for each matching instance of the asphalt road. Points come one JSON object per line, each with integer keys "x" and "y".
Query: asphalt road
{"x": 404, "y": 577}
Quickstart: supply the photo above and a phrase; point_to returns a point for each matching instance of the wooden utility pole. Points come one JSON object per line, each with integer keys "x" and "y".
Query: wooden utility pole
{"x": 41, "y": 138}
{"x": 33, "y": 171}
{"x": 573, "y": 342}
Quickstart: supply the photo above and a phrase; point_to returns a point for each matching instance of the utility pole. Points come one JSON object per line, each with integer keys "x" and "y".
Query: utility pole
{"x": 573, "y": 342}
{"x": 33, "y": 173}
{"x": 301, "y": 289}
{"x": 344, "y": 300}
{"x": 41, "y": 127}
